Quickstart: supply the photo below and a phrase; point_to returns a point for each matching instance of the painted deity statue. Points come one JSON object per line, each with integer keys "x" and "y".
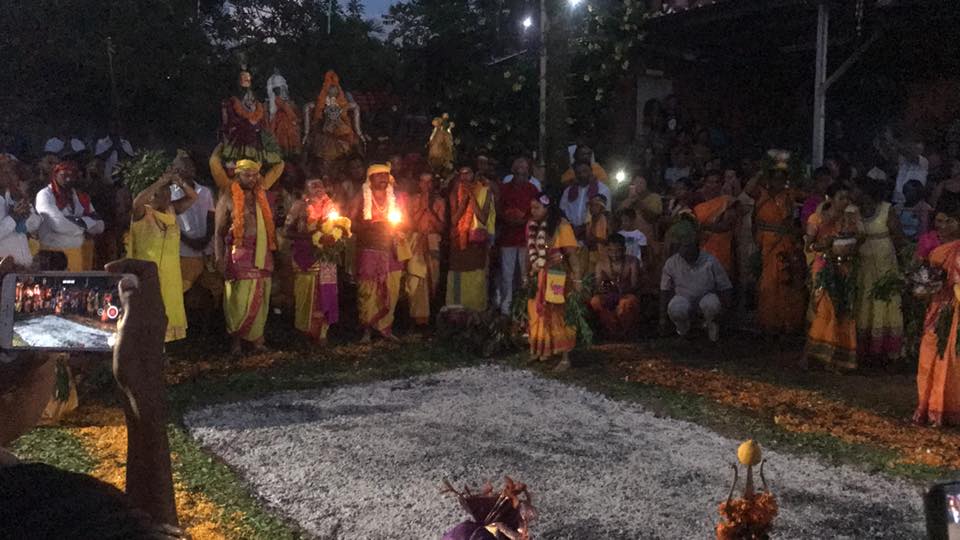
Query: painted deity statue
{"x": 440, "y": 151}
{"x": 333, "y": 123}
{"x": 282, "y": 117}
{"x": 244, "y": 131}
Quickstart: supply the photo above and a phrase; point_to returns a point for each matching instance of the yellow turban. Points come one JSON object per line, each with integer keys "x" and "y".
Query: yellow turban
{"x": 377, "y": 168}
{"x": 248, "y": 165}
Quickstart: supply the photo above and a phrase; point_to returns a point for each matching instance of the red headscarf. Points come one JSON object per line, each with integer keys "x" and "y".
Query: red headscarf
{"x": 64, "y": 197}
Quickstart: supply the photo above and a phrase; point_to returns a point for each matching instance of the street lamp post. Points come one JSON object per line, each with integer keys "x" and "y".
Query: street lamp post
{"x": 544, "y": 28}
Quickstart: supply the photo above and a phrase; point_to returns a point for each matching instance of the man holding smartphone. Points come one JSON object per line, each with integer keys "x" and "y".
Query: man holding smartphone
{"x": 68, "y": 216}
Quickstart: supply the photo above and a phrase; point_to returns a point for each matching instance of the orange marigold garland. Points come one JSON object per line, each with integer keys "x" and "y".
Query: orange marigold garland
{"x": 237, "y": 229}
{"x": 254, "y": 116}
{"x": 751, "y": 516}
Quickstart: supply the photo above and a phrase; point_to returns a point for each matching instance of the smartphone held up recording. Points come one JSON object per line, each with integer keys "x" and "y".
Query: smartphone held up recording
{"x": 942, "y": 507}
{"x": 60, "y": 311}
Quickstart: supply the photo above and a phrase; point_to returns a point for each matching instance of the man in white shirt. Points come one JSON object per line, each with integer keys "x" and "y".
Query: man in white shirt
{"x": 693, "y": 283}
{"x": 196, "y": 229}
{"x": 575, "y": 201}
{"x": 912, "y": 166}
{"x": 68, "y": 217}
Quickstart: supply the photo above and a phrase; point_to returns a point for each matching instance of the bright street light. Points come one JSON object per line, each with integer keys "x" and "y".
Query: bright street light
{"x": 527, "y": 22}
{"x": 574, "y": 3}
{"x": 621, "y": 176}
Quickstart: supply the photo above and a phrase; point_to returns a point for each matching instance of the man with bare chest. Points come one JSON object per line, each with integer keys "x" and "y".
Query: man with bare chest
{"x": 244, "y": 243}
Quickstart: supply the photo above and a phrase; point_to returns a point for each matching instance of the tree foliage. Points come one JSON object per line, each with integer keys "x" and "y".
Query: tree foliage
{"x": 451, "y": 55}
{"x": 174, "y": 61}
{"x": 475, "y": 61}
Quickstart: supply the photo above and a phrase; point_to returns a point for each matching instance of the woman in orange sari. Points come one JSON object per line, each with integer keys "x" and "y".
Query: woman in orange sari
{"x": 832, "y": 337}
{"x": 551, "y": 246}
{"x": 938, "y": 374}
{"x": 717, "y": 220}
{"x": 781, "y": 292}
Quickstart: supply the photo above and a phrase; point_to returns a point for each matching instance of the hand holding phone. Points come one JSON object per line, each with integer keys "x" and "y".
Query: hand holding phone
{"x": 60, "y": 311}
{"x": 942, "y": 507}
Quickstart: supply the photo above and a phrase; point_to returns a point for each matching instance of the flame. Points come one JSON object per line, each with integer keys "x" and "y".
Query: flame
{"x": 333, "y": 215}
{"x": 394, "y": 217}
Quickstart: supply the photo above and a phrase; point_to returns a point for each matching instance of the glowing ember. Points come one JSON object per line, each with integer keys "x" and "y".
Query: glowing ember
{"x": 333, "y": 215}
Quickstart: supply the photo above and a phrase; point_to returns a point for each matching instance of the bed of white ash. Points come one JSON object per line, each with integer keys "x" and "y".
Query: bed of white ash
{"x": 367, "y": 462}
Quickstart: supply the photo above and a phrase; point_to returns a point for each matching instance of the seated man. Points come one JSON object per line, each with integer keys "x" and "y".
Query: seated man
{"x": 40, "y": 501}
{"x": 693, "y": 283}
{"x": 618, "y": 278}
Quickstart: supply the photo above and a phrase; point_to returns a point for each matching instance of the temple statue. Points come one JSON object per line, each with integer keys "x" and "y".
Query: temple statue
{"x": 440, "y": 150}
{"x": 243, "y": 129}
{"x": 282, "y": 116}
{"x": 332, "y": 123}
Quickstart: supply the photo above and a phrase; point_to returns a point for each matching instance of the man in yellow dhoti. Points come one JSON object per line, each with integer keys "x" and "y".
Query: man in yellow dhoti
{"x": 377, "y": 214}
{"x": 315, "y": 279}
{"x": 244, "y": 243}
{"x": 428, "y": 216}
{"x": 472, "y": 225}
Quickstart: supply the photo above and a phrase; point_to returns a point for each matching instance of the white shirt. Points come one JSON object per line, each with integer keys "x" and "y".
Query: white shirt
{"x": 635, "y": 241}
{"x": 694, "y": 281}
{"x": 12, "y": 243}
{"x": 110, "y": 161}
{"x": 58, "y": 231}
{"x": 577, "y": 211}
{"x": 193, "y": 222}
{"x": 533, "y": 180}
{"x": 907, "y": 171}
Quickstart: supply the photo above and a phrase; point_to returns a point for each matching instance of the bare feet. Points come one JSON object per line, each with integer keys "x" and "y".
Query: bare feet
{"x": 236, "y": 347}
{"x": 388, "y": 336}
{"x": 564, "y": 364}
{"x": 366, "y": 337}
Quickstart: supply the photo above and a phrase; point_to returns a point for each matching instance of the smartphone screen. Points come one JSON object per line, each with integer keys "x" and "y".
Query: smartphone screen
{"x": 942, "y": 505}
{"x": 60, "y": 311}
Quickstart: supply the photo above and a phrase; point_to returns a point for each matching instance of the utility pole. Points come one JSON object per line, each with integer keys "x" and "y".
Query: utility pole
{"x": 820, "y": 83}
{"x": 544, "y": 28}
{"x": 113, "y": 80}
{"x": 329, "y": 15}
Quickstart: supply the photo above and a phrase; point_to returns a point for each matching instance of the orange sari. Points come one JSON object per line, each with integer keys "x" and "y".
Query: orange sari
{"x": 832, "y": 338}
{"x": 718, "y": 244}
{"x": 781, "y": 291}
{"x": 549, "y": 333}
{"x": 938, "y": 377}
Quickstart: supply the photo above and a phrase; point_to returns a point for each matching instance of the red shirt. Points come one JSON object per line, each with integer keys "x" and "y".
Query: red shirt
{"x": 516, "y": 198}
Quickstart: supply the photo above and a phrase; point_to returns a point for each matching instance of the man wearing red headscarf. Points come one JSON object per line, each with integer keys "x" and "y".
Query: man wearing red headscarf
{"x": 68, "y": 216}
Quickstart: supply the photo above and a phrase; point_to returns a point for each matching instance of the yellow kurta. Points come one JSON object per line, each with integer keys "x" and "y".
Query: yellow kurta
{"x": 156, "y": 237}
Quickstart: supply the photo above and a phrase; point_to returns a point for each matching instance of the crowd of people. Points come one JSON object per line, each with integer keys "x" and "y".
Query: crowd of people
{"x": 687, "y": 239}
